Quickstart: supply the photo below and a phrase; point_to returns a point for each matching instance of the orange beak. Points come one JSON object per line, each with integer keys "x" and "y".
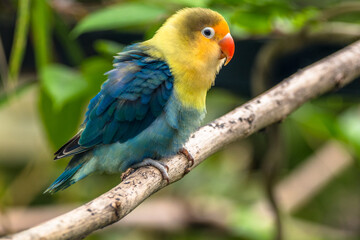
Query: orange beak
{"x": 227, "y": 47}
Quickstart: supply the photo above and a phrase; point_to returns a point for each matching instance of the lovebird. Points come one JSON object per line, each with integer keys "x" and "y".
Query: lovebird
{"x": 152, "y": 100}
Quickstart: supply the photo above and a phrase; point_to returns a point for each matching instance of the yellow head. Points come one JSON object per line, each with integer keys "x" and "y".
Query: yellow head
{"x": 196, "y": 42}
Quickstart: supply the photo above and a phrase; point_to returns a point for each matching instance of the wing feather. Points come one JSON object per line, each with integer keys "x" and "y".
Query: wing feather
{"x": 134, "y": 95}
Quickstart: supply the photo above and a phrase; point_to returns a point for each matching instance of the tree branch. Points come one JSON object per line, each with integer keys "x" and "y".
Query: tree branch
{"x": 274, "y": 105}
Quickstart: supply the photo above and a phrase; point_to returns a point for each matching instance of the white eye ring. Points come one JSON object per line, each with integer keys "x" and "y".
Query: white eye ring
{"x": 208, "y": 32}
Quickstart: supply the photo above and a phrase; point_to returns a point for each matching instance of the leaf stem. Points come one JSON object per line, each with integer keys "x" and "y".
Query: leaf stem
{"x": 19, "y": 42}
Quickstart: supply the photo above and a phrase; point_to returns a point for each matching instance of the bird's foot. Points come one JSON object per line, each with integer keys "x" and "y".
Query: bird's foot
{"x": 188, "y": 157}
{"x": 162, "y": 167}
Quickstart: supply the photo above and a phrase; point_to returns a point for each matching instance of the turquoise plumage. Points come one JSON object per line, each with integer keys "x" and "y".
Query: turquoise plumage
{"x": 152, "y": 101}
{"x": 137, "y": 94}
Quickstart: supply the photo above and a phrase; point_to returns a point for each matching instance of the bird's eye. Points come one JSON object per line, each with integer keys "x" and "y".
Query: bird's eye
{"x": 208, "y": 32}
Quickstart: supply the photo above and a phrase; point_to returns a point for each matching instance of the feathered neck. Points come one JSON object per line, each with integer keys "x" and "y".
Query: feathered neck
{"x": 193, "y": 72}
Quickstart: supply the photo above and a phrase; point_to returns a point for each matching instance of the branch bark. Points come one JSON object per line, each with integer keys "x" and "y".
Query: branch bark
{"x": 272, "y": 106}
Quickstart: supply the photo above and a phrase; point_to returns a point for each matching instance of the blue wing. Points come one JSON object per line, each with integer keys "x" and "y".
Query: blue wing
{"x": 134, "y": 95}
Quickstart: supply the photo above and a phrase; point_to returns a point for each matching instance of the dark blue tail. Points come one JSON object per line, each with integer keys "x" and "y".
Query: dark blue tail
{"x": 64, "y": 180}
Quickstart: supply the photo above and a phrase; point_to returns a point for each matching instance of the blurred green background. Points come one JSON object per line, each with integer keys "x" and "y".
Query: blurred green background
{"x": 299, "y": 179}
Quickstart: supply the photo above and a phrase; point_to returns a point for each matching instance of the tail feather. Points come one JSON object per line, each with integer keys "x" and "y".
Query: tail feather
{"x": 72, "y": 147}
{"x": 64, "y": 180}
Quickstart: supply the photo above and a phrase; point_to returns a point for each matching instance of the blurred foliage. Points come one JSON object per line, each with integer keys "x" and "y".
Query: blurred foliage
{"x": 132, "y": 15}
{"x": 62, "y": 84}
{"x": 68, "y": 75}
{"x": 19, "y": 39}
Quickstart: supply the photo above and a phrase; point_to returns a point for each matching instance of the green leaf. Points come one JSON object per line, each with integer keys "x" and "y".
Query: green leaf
{"x": 41, "y": 16}
{"x": 62, "y": 84}
{"x": 107, "y": 47}
{"x": 299, "y": 19}
{"x": 93, "y": 70}
{"x": 60, "y": 124}
{"x": 317, "y": 121}
{"x": 151, "y": 30}
{"x": 119, "y": 16}
{"x": 350, "y": 128}
{"x": 190, "y": 3}
{"x": 245, "y": 223}
{"x": 252, "y": 22}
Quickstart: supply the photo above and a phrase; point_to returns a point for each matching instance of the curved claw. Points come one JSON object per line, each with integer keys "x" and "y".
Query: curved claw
{"x": 162, "y": 167}
{"x": 190, "y": 159}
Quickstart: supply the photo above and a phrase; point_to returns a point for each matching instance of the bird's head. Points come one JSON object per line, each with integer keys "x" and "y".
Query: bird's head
{"x": 197, "y": 37}
{"x": 196, "y": 43}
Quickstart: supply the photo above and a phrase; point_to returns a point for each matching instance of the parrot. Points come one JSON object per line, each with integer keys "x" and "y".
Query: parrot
{"x": 152, "y": 100}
